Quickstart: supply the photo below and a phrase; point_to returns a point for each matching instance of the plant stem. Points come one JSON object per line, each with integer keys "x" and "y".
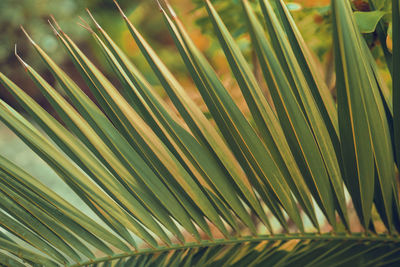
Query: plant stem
{"x": 362, "y": 237}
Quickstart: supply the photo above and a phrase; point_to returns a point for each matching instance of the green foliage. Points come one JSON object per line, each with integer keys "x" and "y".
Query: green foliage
{"x": 35, "y": 14}
{"x": 367, "y": 21}
{"x": 303, "y": 180}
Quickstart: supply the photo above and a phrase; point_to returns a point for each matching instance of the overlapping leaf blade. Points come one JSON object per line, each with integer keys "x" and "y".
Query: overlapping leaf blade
{"x": 147, "y": 144}
{"x": 69, "y": 172}
{"x": 143, "y": 170}
{"x": 396, "y": 78}
{"x": 110, "y": 134}
{"x": 23, "y": 253}
{"x": 318, "y": 88}
{"x": 201, "y": 128}
{"x": 42, "y": 196}
{"x": 28, "y": 236}
{"x": 304, "y": 126}
{"x": 87, "y": 162}
{"x": 205, "y": 79}
{"x": 220, "y": 104}
{"x": 191, "y": 153}
{"x": 365, "y": 138}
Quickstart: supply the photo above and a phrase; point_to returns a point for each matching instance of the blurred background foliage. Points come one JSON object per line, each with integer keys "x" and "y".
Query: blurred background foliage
{"x": 313, "y": 18}
{"x": 33, "y": 16}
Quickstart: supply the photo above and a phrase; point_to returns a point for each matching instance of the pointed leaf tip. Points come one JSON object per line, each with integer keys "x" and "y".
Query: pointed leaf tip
{"x": 120, "y": 9}
{"x": 57, "y": 26}
{"x": 19, "y": 58}
{"x": 53, "y": 28}
{"x": 26, "y": 34}
{"x": 93, "y": 19}
{"x": 85, "y": 27}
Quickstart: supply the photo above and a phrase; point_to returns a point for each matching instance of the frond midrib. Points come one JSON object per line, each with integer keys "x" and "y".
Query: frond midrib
{"x": 362, "y": 237}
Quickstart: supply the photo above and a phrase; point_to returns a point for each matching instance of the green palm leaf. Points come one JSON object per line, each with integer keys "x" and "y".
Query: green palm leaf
{"x": 362, "y": 115}
{"x": 173, "y": 189}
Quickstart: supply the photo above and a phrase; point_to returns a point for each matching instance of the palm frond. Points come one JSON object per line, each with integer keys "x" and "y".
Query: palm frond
{"x": 276, "y": 188}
